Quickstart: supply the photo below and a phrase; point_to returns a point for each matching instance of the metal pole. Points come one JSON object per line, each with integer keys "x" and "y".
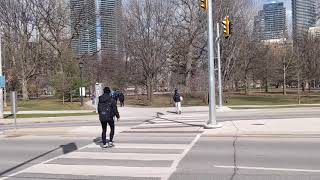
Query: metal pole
{"x": 1, "y": 90}
{"x": 219, "y": 66}
{"x": 81, "y": 97}
{"x": 14, "y": 107}
{"x": 212, "y": 100}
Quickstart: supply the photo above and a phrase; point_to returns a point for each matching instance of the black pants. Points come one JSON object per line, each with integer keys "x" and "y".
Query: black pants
{"x": 104, "y": 130}
{"x": 122, "y": 103}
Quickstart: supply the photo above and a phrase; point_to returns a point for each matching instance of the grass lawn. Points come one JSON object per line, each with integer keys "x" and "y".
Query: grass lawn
{"x": 232, "y": 100}
{"x": 48, "y": 104}
{"x": 9, "y": 116}
{"x": 271, "y": 100}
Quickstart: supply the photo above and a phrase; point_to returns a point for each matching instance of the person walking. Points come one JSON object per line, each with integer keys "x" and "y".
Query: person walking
{"x": 93, "y": 99}
{"x": 121, "y": 99}
{"x": 115, "y": 95}
{"x": 107, "y": 109}
{"x": 177, "y": 99}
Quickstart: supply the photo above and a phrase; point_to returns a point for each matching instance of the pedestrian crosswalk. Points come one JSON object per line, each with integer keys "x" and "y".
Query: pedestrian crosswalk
{"x": 145, "y": 152}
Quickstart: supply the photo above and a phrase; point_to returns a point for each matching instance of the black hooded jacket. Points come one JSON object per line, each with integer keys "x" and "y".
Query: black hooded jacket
{"x": 107, "y": 108}
{"x": 176, "y": 97}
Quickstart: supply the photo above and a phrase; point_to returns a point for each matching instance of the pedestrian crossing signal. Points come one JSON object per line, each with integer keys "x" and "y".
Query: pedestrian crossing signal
{"x": 204, "y": 5}
{"x": 227, "y": 27}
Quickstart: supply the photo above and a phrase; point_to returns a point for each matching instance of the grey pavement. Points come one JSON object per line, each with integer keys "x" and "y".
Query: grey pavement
{"x": 137, "y": 155}
{"x": 177, "y": 147}
{"x": 51, "y": 112}
{"x": 17, "y": 153}
{"x": 228, "y": 158}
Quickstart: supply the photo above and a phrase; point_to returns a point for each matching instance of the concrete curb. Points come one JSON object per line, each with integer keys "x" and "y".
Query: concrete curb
{"x": 44, "y": 120}
{"x": 276, "y": 106}
{"x": 280, "y": 135}
{"x": 53, "y": 112}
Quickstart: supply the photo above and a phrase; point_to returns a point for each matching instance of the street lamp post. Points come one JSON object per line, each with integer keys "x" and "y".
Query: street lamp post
{"x": 81, "y": 65}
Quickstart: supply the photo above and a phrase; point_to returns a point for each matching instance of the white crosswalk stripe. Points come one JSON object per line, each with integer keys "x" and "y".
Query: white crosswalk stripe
{"x": 127, "y": 156}
{"x": 145, "y": 146}
{"x": 124, "y": 160}
{"x": 85, "y": 170}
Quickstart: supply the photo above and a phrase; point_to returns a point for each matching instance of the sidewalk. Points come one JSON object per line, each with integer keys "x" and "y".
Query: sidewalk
{"x": 52, "y": 112}
{"x": 274, "y": 106}
{"x": 24, "y": 121}
{"x": 257, "y": 127}
{"x": 124, "y": 111}
{"x": 270, "y": 127}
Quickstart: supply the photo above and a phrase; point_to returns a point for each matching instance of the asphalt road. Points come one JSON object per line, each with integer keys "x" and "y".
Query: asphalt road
{"x": 148, "y": 155}
{"x": 17, "y": 153}
{"x": 138, "y": 118}
{"x": 276, "y": 158}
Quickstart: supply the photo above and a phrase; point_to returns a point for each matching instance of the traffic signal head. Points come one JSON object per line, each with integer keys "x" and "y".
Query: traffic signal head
{"x": 227, "y": 27}
{"x": 204, "y": 5}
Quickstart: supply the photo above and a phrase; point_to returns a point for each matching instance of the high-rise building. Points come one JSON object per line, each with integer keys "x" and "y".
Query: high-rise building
{"x": 83, "y": 27}
{"x": 271, "y": 22}
{"x": 303, "y": 17}
{"x": 317, "y": 12}
{"x": 314, "y": 32}
{"x": 259, "y": 26}
{"x": 110, "y": 22}
{"x": 275, "y": 21}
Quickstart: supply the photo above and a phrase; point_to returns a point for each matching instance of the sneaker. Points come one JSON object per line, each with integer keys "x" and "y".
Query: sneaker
{"x": 105, "y": 146}
{"x": 110, "y": 144}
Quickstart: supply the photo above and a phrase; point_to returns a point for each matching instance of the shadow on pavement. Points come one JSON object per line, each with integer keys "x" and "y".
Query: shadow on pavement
{"x": 98, "y": 141}
{"x": 67, "y": 148}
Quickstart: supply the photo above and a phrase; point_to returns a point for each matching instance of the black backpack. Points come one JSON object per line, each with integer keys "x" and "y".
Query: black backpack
{"x": 176, "y": 97}
{"x": 105, "y": 111}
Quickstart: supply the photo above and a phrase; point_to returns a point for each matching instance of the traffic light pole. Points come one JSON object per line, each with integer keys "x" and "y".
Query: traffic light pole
{"x": 219, "y": 66}
{"x": 212, "y": 123}
{"x": 1, "y": 90}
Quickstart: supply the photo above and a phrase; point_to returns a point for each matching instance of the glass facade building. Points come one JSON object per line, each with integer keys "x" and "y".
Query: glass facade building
{"x": 83, "y": 27}
{"x": 270, "y": 23}
{"x": 110, "y": 25}
{"x": 303, "y": 17}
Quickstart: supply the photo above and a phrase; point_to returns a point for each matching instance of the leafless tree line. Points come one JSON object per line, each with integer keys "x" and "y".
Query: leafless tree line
{"x": 165, "y": 46}
{"x": 167, "y": 41}
{"x": 36, "y": 39}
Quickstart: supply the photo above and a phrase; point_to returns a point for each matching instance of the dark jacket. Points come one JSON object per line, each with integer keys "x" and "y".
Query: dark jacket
{"x": 106, "y": 101}
{"x": 121, "y": 97}
{"x": 176, "y": 97}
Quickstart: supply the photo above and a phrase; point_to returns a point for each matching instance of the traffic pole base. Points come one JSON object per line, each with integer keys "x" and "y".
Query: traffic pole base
{"x": 213, "y": 126}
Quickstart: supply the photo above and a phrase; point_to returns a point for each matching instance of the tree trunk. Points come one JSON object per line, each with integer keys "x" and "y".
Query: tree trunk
{"x": 246, "y": 83}
{"x": 266, "y": 86}
{"x": 25, "y": 93}
{"x": 188, "y": 76}
{"x": 299, "y": 97}
{"x": 71, "y": 98}
{"x": 284, "y": 81}
{"x": 150, "y": 91}
{"x": 236, "y": 83}
{"x": 5, "y": 97}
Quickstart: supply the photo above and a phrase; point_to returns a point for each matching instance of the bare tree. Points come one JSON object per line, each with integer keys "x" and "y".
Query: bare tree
{"x": 19, "y": 24}
{"x": 149, "y": 42}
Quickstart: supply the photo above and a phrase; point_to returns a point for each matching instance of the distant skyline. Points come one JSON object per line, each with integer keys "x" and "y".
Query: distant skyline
{"x": 258, "y": 5}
